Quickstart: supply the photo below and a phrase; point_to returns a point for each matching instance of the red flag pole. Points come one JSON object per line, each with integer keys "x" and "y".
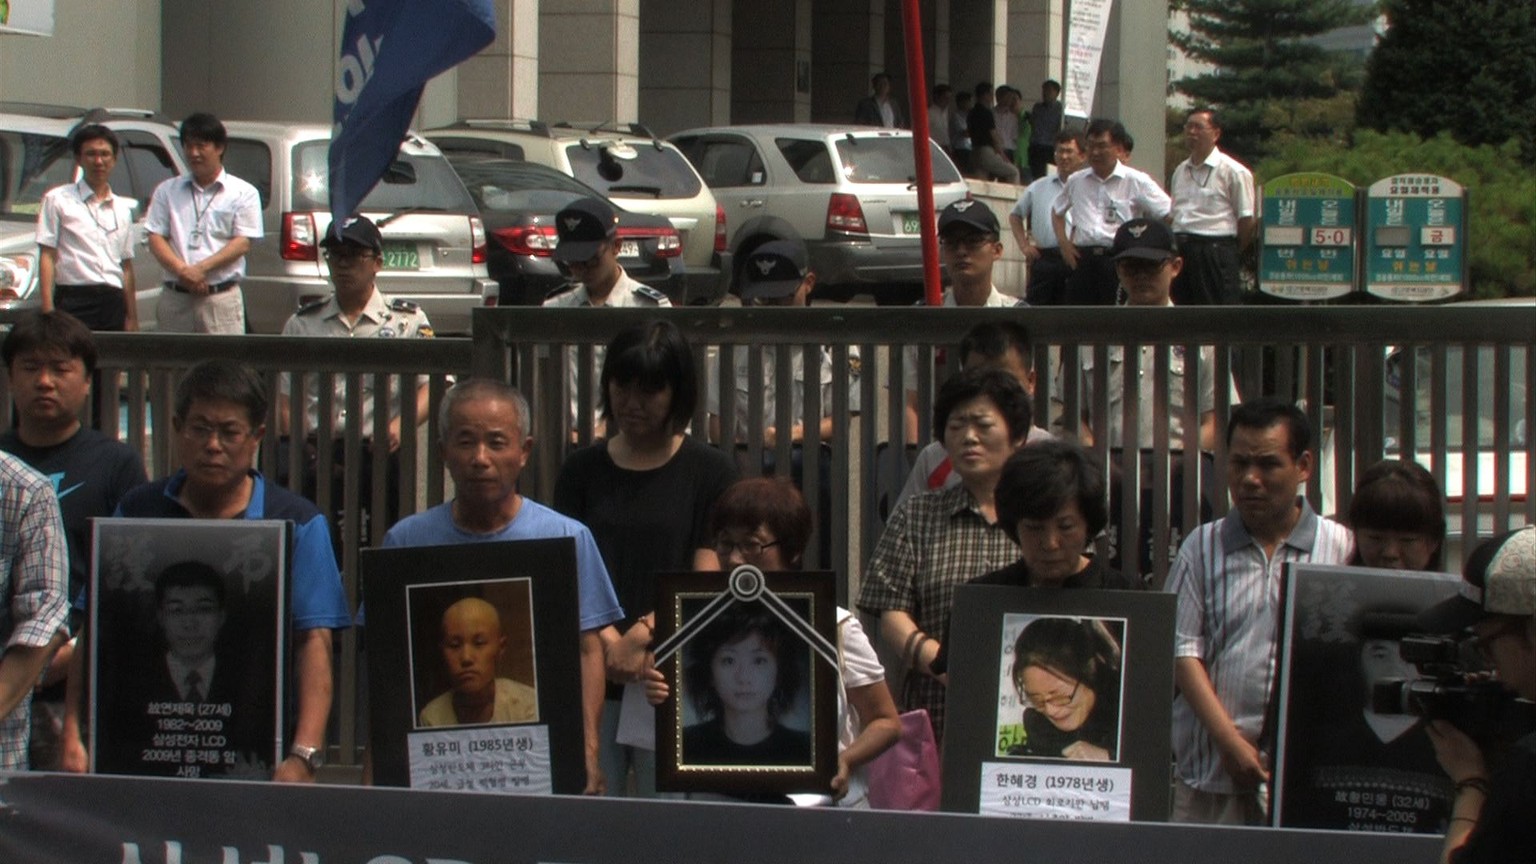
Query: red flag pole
{"x": 917, "y": 95}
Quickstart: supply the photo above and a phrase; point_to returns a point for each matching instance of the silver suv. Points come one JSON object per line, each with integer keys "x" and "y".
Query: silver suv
{"x": 35, "y": 156}
{"x": 628, "y": 165}
{"x": 434, "y": 241}
{"x": 848, "y": 191}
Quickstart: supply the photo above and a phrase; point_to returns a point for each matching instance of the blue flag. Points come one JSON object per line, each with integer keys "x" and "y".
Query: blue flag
{"x": 389, "y": 50}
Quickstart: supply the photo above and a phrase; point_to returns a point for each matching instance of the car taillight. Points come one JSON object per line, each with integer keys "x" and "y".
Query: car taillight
{"x": 844, "y": 214}
{"x": 476, "y": 240}
{"x": 537, "y": 240}
{"x": 298, "y": 240}
{"x": 721, "y": 241}
{"x": 668, "y": 243}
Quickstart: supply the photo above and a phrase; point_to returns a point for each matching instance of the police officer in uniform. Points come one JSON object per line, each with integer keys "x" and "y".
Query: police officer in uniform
{"x": 356, "y": 310}
{"x": 589, "y": 252}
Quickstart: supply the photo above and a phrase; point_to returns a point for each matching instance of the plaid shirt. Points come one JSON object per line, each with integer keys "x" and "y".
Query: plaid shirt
{"x": 933, "y": 542}
{"x": 34, "y": 576}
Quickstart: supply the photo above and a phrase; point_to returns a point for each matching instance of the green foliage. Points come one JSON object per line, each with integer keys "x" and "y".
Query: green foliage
{"x": 1501, "y": 192}
{"x": 1467, "y": 67}
{"x": 1263, "y": 62}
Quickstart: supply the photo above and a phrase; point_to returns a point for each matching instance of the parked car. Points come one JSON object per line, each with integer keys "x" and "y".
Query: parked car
{"x": 519, "y": 200}
{"x": 630, "y": 167}
{"x": 848, "y": 191}
{"x": 434, "y": 240}
{"x": 35, "y": 156}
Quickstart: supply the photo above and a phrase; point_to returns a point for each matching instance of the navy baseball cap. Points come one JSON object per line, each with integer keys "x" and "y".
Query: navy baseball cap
{"x": 774, "y": 271}
{"x": 971, "y": 213}
{"x": 358, "y": 230}
{"x": 1499, "y": 579}
{"x": 1148, "y": 239}
{"x": 583, "y": 226}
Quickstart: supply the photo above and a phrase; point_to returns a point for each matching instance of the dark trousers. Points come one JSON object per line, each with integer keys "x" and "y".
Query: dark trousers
{"x": 1145, "y": 538}
{"x": 365, "y": 518}
{"x": 1094, "y": 282}
{"x": 1040, "y": 155}
{"x": 1047, "y": 280}
{"x": 1211, "y": 272}
{"x": 99, "y": 307}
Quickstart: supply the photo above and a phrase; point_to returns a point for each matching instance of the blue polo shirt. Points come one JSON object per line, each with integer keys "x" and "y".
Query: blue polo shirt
{"x": 317, "y": 598}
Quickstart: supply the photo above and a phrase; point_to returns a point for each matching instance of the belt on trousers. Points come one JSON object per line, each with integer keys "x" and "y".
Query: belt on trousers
{"x": 1093, "y": 250}
{"x": 1188, "y": 239}
{"x": 217, "y": 288}
{"x": 1050, "y": 251}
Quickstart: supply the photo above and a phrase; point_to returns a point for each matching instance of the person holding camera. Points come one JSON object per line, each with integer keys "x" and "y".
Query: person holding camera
{"x": 1491, "y": 815}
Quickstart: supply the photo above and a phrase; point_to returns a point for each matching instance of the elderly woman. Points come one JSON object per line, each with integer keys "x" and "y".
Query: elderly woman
{"x": 937, "y": 540}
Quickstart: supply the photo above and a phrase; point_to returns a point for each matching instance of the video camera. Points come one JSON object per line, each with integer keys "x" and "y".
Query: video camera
{"x": 1451, "y": 687}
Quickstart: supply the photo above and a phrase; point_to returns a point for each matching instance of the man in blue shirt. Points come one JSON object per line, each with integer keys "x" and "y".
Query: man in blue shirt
{"x": 485, "y": 444}
{"x": 220, "y": 417}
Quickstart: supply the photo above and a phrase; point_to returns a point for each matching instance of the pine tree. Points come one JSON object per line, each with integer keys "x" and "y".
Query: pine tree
{"x": 1261, "y": 56}
{"x": 1467, "y": 67}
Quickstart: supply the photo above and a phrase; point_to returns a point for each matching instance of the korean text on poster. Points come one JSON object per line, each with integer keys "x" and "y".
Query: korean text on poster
{"x": 1085, "y": 793}
{"x": 509, "y": 760}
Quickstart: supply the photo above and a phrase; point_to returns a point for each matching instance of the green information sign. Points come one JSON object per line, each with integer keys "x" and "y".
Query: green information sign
{"x": 1416, "y": 238}
{"x": 1308, "y": 243}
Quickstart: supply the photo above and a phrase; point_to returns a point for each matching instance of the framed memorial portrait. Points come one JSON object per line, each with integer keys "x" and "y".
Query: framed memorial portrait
{"x": 1059, "y": 704}
{"x": 474, "y": 667}
{"x": 1350, "y": 754}
{"x": 188, "y": 623}
{"x": 751, "y": 661}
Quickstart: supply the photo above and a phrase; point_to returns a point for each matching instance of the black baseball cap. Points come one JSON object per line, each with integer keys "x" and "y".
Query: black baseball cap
{"x": 1148, "y": 239}
{"x": 971, "y": 213}
{"x": 774, "y": 270}
{"x": 1499, "y": 579}
{"x": 583, "y": 226}
{"x": 358, "y": 230}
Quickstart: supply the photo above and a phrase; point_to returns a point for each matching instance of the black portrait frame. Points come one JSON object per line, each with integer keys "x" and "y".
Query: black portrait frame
{"x": 818, "y": 590}
{"x": 133, "y": 701}
{"x": 1146, "y": 694}
{"x": 1320, "y": 640}
{"x": 549, "y": 568}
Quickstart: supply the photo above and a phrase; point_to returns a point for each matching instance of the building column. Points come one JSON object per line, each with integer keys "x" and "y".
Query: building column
{"x": 685, "y": 64}
{"x": 847, "y": 49}
{"x": 1037, "y": 39}
{"x": 771, "y": 62}
{"x": 501, "y": 81}
{"x": 588, "y": 64}
{"x": 978, "y": 36}
{"x": 933, "y": 16}
{"x": 1133, "y": 80}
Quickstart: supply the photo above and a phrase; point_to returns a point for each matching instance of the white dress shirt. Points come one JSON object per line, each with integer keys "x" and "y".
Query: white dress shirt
{"x": 93, "y": 236}
{"x": 1098, "y": 205}
{"x": 1210, "y": 196}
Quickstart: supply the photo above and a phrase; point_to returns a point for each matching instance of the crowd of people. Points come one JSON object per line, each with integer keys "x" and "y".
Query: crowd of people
{"x": 999, "y": 500}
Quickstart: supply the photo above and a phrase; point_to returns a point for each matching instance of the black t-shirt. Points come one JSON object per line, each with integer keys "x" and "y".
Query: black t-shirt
{"x": 980, "y": 123}
{"x": 1506, "y": 829}
{"x": 91, "y": 473}
{"x": 644, "y": 522}
{"x": 1017, "y": 575}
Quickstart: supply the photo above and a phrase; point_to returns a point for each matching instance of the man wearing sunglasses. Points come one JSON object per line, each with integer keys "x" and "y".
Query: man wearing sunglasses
{"x": 85, "y": 240}
{"x": 356, "y": 310}
{"x": 1495, "y": 797}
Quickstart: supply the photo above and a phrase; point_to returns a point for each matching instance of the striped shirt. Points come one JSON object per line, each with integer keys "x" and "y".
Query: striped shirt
{"x": 1228, "y": 616}
{"x": 34, "y": 576}
{"x": 933, "y": 542}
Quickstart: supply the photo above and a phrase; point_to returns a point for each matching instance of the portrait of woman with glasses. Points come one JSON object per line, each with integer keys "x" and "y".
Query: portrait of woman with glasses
{"x": 1066, "y": 673}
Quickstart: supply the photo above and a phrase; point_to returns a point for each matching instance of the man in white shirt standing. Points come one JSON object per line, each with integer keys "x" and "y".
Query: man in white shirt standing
{"x": 1099, "y": 201}
{"x": 85, "y": 239}
{"x": 200, "y": 227}
{"x": 1031, "y": 224}
{"x": 1213, "y": 216}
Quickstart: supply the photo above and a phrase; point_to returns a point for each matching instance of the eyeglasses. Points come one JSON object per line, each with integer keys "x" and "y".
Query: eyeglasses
{"x": 1053, "y": 701}
{"x": 346, "y": 259}
{"x": 970, "y": 242}
{"x": 229, "y": 436}
{"x": 749, "y": 547}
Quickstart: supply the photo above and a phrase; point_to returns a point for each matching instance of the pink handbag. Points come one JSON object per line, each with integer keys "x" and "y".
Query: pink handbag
{"x": 906, "y": 777}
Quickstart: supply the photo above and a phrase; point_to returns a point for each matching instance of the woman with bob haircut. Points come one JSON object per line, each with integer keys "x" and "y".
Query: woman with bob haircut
{"x": 645, "y": 493}
{"x": 764, "y": 521}
{"x": 1398, "y": 516}
{"x": 742, "y": 673}
{"x": 1067, "y": 674}
{"x": 937, "y": 540}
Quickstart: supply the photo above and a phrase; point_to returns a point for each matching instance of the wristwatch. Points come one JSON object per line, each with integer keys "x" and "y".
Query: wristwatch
{"x": 314, "y": 757}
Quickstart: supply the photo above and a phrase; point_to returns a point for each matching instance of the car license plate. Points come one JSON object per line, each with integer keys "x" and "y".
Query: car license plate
{"x": 401, "y": 256}
{"x": 629, "y": 249}
{"x": 910, "y": 223}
